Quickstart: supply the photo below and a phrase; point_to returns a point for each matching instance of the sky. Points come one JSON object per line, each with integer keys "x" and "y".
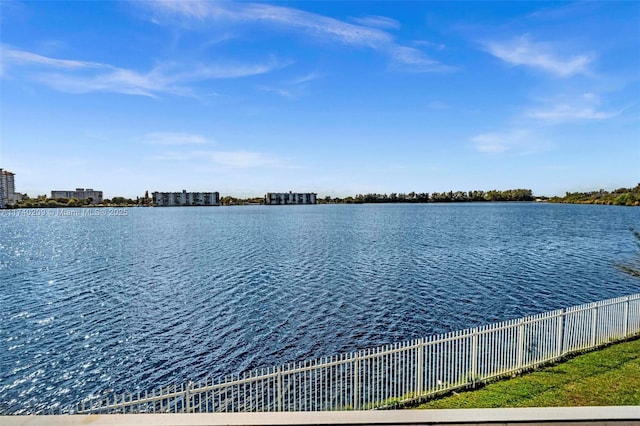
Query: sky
{"x": 338, "y": 98}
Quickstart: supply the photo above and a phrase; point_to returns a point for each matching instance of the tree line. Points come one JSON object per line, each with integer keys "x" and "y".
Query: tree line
{"x": 434, "y": 197}
{"x": 617, "y": 197}
{"x": 620, "y": 196}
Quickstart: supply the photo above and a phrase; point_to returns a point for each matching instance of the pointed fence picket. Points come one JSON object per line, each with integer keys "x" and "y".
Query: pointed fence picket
{"x": 400, "y": 372}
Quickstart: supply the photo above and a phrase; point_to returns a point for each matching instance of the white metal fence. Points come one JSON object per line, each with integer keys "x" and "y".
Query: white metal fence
{"x": 395, "y": 373}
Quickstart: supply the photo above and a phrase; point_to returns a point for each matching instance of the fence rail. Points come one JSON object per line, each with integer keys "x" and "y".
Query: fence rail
{"x": 386, "y": 375}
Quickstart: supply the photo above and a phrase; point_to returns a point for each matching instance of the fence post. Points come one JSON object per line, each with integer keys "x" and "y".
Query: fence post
{"x": 279, "y": 389}
{"x": 474, "y": 356}
{"x": 625, "y": 326}
{"x": 520, "y": 343}
{"x": 356, "y": 381}
{"x": 560, "y": 333}
{"x": 187, "y": 397}
{"x": 420, "y": 369}
{"x": 594, "y": 323}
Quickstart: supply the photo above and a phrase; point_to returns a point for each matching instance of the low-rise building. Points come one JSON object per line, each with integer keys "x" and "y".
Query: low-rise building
{"x": 281, "y": 198}
{"x": 7, "y": 188}
{"x": 80, "y": 194}
{"x": 184, "y": 198}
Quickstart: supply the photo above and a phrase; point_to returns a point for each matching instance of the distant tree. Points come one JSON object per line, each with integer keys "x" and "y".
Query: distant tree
{"x": 423, "y": 197}
{"x": 459, "y": 196}
{"x": 119, "y": 201}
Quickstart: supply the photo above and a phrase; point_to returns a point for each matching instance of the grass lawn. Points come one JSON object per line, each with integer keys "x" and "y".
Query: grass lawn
{"x": 609, "y": 376}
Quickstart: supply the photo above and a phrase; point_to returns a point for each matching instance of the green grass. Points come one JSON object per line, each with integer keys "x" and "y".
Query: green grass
{"x": 609, "y": 376}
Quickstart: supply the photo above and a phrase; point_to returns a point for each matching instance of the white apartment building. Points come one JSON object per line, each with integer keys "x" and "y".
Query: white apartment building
{"x": 8, "y": 194}
{"x": 80, "y": 194}
{"x": 184, "y": 198}
{"x": 280, "y": 198}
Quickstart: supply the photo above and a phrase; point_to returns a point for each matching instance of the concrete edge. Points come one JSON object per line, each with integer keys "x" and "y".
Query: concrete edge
{"x": 531, "y": 416}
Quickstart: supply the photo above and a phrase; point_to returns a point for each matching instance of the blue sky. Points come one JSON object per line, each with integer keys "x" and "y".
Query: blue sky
{"x": 337, "y": 98}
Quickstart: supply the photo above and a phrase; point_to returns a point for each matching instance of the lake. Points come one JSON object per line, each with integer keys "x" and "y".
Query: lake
{"x": 125, "y": 299}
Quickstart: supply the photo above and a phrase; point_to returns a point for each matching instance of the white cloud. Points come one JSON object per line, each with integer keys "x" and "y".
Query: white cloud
{"x": 410, "y": 59}
{"x": 173, "y": 138}
{"x": 306, "y": 22}
{"x": 492, "y": 142}
{"x": 292, "y": 88}
{"x": 86, "y": 77}
{"x": 430, "y": 44}
{"x": 575, "y": 108}
{"x": 230, "y": 70}
{"x": 192, "y": 9}
{"x": 285, "y": 93}
{"x": 377, "y": 21}
{"x": 10, "y": 55}
{"x": 305, "y": 78}
{"x": 201, "y": 10}
{"x": 520, "y": 141}
{"x": 565, "y": 112}
{"x": 543, "y": 56}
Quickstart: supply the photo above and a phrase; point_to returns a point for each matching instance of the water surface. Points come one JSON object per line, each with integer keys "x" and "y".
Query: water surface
{"x": 94, "y": 302}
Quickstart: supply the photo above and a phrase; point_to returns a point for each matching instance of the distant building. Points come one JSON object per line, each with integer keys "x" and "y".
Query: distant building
{"x": 7, "y": 188}
{"x": 80, "y": 194}
{"x": 184, "y": 198}
{"x": 280, "y": 198}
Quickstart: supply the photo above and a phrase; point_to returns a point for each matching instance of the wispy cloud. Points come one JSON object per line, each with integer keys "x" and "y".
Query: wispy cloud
{"x": 544, "y": 56}
{"x": 77, "y": 76}
{"x": 306, "y": 78}
{"x": 377, "y": 21}
{"x": 202, "y": 10}
{"x": 585, "y": 107}
{"x": 172, "y": 138}
{"x": 236, "y": 159}
{"x": 366, "y": 33}
{"x": 292, "y": 88}
{"x": 429, "y": 44}
{"x": 572, "y": 11}
{"x": 520, "y": 141}
{"x": 564, "y": 112}
{"x": 414, "y": 60}
{"x": 27, "y": 58}
{"x": 280, "y": 91}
